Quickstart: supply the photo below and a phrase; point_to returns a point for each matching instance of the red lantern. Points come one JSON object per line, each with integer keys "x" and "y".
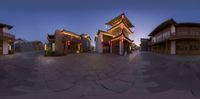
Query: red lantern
{"x": 122, "y": 16}
{"x": 68, "y": 43}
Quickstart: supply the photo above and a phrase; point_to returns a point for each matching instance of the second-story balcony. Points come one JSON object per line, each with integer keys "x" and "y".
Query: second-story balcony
{"x": 7, "y": 36}
{"x": 185, "y": 35}
{"x": 175, "y": 36}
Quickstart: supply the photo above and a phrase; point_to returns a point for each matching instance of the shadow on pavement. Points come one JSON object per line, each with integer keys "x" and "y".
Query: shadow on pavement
{"x": 171, "y": 74}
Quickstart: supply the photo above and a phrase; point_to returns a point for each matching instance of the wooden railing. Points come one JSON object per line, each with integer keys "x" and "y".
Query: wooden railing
{"x": 188, "y": 33}
{"x": 179, "y": 35}
{"x": 4, "y": 35}
{"x": 8, "y": 35}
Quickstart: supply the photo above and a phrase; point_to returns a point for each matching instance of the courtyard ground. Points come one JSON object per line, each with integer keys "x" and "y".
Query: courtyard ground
{"x": 141, "y": 75}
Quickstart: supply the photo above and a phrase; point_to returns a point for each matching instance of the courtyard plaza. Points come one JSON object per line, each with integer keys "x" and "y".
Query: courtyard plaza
{"x": 140, "y": 75}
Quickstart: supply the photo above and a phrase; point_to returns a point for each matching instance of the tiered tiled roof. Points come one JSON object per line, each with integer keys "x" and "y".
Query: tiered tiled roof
{"x": 119, "y": 18}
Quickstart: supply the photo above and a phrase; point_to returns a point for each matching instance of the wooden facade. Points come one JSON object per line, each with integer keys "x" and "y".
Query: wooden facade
{"x": 65, "y": 42}
{"x": 176, "y": 38}
{"x": 144, "y": 44}
{"x": 6, "y": 39}
{"x": 1, "y": 46}
{"x": 116, "y": 39}
{"x": 85, "y": 42}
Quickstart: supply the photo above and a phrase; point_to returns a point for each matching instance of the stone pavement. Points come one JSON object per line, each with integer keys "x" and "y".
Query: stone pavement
{"x": 141, "y": 75}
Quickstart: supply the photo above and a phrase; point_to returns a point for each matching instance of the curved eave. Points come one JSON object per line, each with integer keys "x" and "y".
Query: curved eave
{"x": 188, "y": 25}
{"x": 51, "y": 36}
{"x": 121, "y": 36}
{"x": 69, "y": 32}
{"x": 118, "y": 25}
{"x": 101, "y": 31}
{"x": 104, "y": 33}
{"x": 162, "y": 26}
{"x": 119, "y": 18}
{"x": 6, "y": 25}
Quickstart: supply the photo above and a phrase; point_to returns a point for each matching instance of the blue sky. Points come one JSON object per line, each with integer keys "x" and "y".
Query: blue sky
{"x": 33, "y": 19}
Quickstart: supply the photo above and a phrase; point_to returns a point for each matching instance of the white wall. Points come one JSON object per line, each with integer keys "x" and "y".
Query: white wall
{"x": 5, "y": 29}
{"x": 5, "y": 47}
{"x": 173, "y": 47}
{"x": 99, "y": 45}
{"x": 173, "y": 30}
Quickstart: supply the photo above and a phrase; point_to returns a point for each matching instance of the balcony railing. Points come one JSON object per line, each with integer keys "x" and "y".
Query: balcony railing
{"x": 6, "y": 36}
{"x": 180, "y": 35}
{"x": 188, "y": 33}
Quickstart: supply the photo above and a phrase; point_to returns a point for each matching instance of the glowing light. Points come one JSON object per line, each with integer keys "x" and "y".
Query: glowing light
{"x": 122, "y": 26}
{"x": 79, "y": 48}
{"x": 122, "y": 40}
{"x": 68, "y": 43}
{"x": 45, "y": 47}
{"x": 108, "y": 34}
{"x": 122, "y": 16}
{"x": 109, "y": 42}
{"x": 70, "y": 34}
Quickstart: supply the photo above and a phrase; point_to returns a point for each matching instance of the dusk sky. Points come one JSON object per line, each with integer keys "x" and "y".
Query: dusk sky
{"x": 33, "y": 19}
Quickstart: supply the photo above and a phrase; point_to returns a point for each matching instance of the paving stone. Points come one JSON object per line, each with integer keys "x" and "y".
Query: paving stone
{"x": 99, "y": 76}
{"x": 115, "y": 85}
{"x": 59, "y": 85}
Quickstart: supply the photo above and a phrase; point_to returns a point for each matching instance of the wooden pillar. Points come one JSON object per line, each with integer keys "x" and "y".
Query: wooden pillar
{"x": 110, "y": 47}
{"x": 173, "y": 47}
{"x": 121, "y": 47}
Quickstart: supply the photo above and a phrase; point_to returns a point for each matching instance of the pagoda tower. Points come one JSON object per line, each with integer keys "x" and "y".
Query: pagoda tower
{"x": 116, "y": 39}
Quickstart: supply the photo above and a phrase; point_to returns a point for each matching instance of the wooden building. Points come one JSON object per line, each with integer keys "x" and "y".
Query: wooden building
{"x": 6, "y": 40}
{"x": 64, "y": 42}
{"x": 22, "y": 45}
{"x": 175, "y": 38}
{"x": 144, "y": 44}
{"x": 86, "y": 42}
{"x": 116, "y": 39}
